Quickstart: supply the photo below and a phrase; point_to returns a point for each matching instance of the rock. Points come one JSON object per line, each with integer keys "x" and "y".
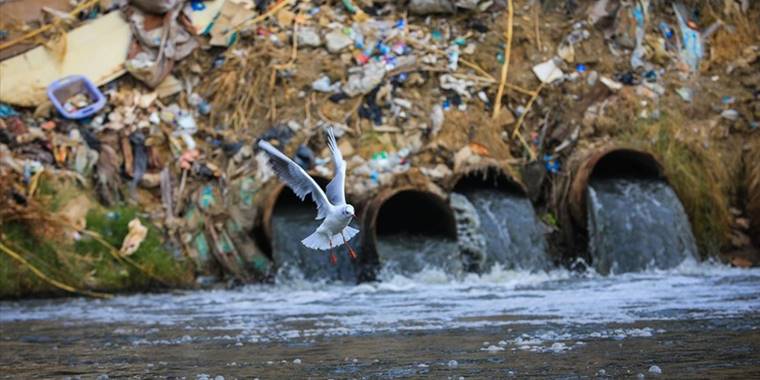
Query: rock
{"x": 424, "y": 7}
{"x": 308, "y": 36}
{"x": 365, "y": 79}
{"x": 741, "y": 262}
{"x": 452, "y": 364}
{"x": 323, "y": 84}
{"x": 438, "y": 172}
{"x": 685, "y": 93}
{"x": 437, "y": 118}
{"x": 548, "y": 71}
{"x": 731, "y": 114}
{"x": 611, "y": 84}
{"x": 337, "y": 41}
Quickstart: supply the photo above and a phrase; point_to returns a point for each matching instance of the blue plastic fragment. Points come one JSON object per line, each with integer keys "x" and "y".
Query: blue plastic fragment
{"x": 7, "y": 111}
{"x": 666, "y": 30}
{"x": 580, "y": 67}
{"x": 197, "y": 5}
{"x": 552, "y": 165}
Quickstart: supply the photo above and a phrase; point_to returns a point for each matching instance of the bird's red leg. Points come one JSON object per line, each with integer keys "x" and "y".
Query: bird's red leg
{"x": 333, "y": 259}
{"x": 351, "y": 251}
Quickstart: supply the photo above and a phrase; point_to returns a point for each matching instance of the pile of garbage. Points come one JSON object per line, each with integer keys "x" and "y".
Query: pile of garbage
{"x": 170, "y": 97}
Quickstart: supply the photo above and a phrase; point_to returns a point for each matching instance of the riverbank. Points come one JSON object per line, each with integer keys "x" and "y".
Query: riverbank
{"x": 419, "y": 100}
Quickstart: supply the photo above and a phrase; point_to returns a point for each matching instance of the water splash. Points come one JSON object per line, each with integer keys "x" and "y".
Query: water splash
{"x": 407, "y": 254}
{"x": 636, "y": 224}
{"x": 428, "y": 300}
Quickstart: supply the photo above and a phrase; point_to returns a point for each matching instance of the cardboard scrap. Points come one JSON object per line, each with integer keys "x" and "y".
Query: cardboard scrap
{"x": 169, "y": 86}
{"x": 202, "y": 19}
{"x": 232, "y": 14}
{"x": 96, "y": 49}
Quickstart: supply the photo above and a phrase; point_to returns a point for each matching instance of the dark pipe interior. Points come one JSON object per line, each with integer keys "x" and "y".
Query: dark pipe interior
{"x": 626, "y": 164}
{"x": 285, "y": 199}
{"x": 417, "y": 213}
{"x": 490, "y": 178}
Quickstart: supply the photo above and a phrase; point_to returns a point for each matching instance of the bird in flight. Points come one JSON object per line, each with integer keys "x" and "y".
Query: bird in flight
{"x": 331, "y": 207}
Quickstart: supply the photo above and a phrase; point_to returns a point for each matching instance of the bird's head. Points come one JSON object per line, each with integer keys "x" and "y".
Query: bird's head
{"x": 348, "y": 210}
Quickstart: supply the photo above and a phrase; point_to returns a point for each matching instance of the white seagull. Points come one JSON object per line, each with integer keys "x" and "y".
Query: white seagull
{"x": 331, "y": 207}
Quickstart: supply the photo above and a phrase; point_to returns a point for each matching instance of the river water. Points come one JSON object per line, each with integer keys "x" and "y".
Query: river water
{"x": 557, "y": 323}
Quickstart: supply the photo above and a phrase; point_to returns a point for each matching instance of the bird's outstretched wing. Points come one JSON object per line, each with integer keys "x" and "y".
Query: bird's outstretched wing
{"x": 336, "y": 189}
{"x": 294, "y": 176}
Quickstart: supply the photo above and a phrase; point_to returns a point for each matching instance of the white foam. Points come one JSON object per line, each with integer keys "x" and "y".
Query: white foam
{"x": 429, "y": 300}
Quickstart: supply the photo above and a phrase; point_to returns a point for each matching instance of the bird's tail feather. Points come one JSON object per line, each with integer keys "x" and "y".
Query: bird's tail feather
{"x": 320, "y": 241}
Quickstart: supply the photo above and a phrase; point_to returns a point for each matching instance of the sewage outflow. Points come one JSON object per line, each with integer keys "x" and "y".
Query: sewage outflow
{"x": 499, "y": 228}
{"x": 635, "y": 224}
{"x": 293, "y": 220}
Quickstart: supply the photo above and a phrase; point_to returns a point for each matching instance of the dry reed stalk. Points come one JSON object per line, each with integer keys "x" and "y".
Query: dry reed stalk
{"x": 505, "y": 66}
{"x": 85, "y": 5}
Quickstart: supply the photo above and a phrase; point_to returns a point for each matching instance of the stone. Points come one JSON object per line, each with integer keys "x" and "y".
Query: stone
{"x": 424, "y": 7}
{"x": 337, "y": 41}
{"x": 308, "y": 36}
{"x": 365, "y": 79}
{"x": 548, "y": 71}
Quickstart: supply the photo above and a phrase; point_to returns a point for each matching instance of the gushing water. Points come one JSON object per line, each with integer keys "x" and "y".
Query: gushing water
{"x": 290, "y": 224}
{"x": 496, "y": 227}
{"x": 635, "y": 224}
{"x": 408, "y": 254}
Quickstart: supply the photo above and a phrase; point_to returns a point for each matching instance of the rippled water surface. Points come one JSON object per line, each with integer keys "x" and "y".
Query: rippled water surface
{"x": 403, "y": 326}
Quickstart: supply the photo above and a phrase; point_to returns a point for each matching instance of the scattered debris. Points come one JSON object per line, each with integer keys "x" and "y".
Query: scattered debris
{"x": 418, "y": 94}
{"x": 135, "y": 237}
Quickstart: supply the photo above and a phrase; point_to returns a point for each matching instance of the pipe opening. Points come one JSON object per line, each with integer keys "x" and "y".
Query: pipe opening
{"x": 415, "y": 213}
{"x": 286, "y": 221}
{"x": 625, "y": 163}
{"x": 488, "y": 178}
{"x": 631, "y": 218}
{"x": 407, "y": 231}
